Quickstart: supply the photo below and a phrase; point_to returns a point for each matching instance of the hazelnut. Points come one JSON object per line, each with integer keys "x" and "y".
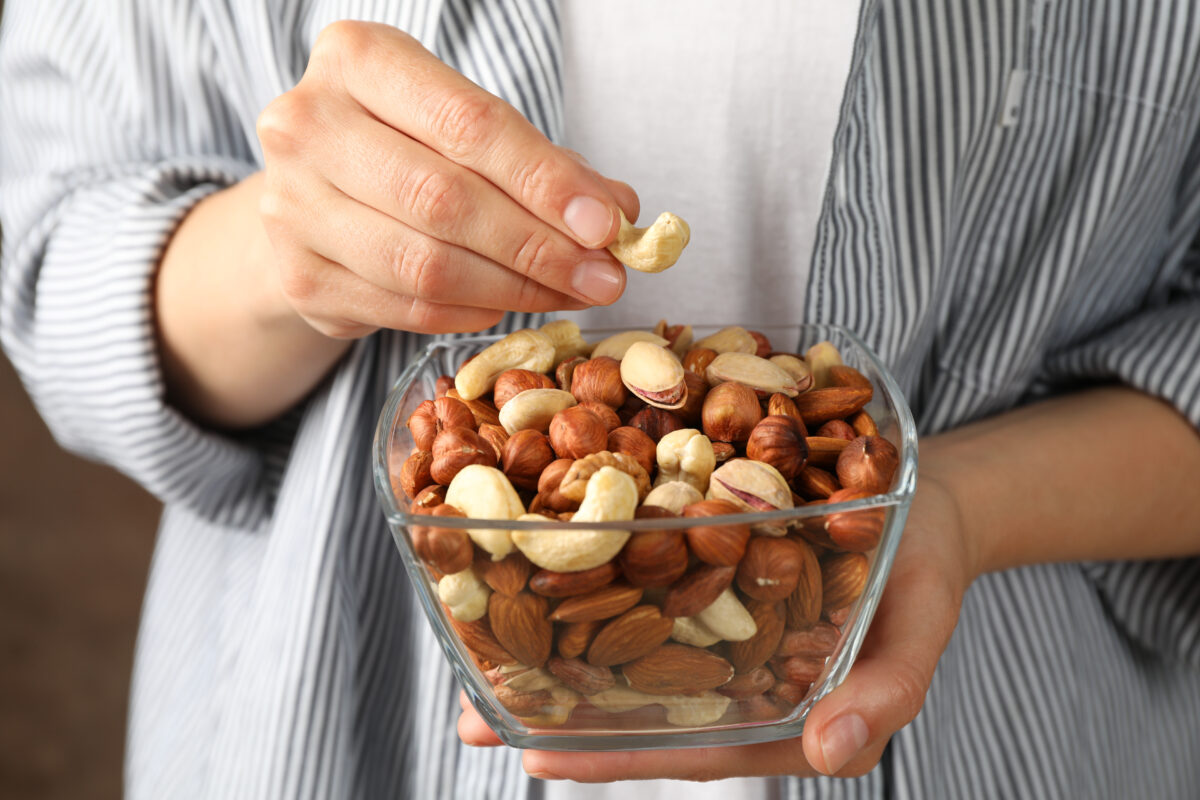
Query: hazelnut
{"x": 730, "y": 412}
{"x": 719, "y": 545}
{"x": 654, "y": 558}
{"x": 455, "y": 448}
{"x": 697, "y": 359}
{"x": 448, "y": 550}
{"x": 564, "y": 373}
{"x": 837, "y": 429}
{"x": 692, "y": 408}
{"x": 576, "y": 432}
{"x": 632, "y": 405}
{"x": 524, "y": 456}
{"x": 779, "y": 441}
{"x": 444, "y": 384}
{"x": 606, "y": 414}
{"x": 414, "y": 475}
{"x": 599, "y": 380}
{"x": 770, "y": 568}
{"x": 432, "y": 417}
{"x": 548, "y": 495}
{"x": 656, "y": 422}
{"x": 634, "y": 443}
{"x": 514, "y": 381}
{"x": 495, "y": 435}
{"x": 868, "y": 463}
{"x": 481, "y": 409}
{"x": 428, "y": 498}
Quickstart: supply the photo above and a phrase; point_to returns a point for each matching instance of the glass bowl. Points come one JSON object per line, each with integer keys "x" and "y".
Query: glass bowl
{"x": 620, "y": 718}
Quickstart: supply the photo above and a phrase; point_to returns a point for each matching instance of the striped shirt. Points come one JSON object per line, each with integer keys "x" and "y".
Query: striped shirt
{"x": 1012, "y": 211}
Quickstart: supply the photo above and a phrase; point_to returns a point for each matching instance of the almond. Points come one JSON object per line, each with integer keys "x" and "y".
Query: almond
{"x": 798, "y": 670}
{"x": 507, "y": 576}
{"x": 788, "y": 695}
{"x": 863, "y": 424}
{"x": 522, "y": 704}
{"x": 804, "y": 603}
{"x": 696, "y": 590}
{"x": 819, "y": 641}
{"x": 823, "y": 451}
{"x": 633, "y": 634}
{"x": 758, "y": 708}
{"x": 581, "y": 676}
{"x": 574, "y": 638}
{"x": 480, "y": 640}
{"x": 843, "y": 375}
{"x": 677, "y": 669}
{"x": 770, "y": 568}
{"x": 603, "y": 603}
{"x": 836, "y": 402}
{"x": 748, "y": 684}
{"x": 754, "y": 652}
{"x": 814, "y": 483}
{"x": 568, "y": 584}
{"x": 720, "y": 545}
{"x": 520, "y": 625}
{"x": 836, "y": 429}
{"x": 843, "y": 577}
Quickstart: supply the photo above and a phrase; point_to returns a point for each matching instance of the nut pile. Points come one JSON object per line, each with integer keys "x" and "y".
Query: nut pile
{"x": 704, "y": 623}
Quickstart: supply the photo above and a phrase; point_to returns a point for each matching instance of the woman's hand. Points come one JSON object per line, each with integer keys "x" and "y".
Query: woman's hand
{"x": 398, "y": 194}
{"x": 846, "y": 731}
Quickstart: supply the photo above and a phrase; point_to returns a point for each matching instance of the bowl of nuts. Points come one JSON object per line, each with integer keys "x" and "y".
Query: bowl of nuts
{"x": 647, "y": 539}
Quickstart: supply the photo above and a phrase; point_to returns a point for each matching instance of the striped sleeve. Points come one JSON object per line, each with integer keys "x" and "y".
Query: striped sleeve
{"x": 101, "y": 157}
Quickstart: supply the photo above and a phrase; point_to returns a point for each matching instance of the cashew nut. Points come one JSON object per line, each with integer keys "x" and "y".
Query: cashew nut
{"x": 687, "y": 456}
{"x": 464, "y": 594}
{"x": 702, "y": 708}
{"x": 523, "y": 349}
{"x": 557, "y": 711}
{"x": 728, "y": 618}
{"x": 527, "y": 679}
{"x": 611, "y": 495}
{"x": 568, "y": 341}
{"x": 485, "y": 493}
{"x": 651, "y": 249}
{"x": 533, "y": 409}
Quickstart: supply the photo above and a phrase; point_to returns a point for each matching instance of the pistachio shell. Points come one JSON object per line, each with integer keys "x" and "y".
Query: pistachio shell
{"x": 654, "y": 374}
{"x": 753, "y": 485}
{"x": 616, "y": 345}
{"x": 757, "y": 373}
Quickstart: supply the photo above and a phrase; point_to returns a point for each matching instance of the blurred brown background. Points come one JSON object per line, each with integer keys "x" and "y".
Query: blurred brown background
{"x": 75, "y": 542}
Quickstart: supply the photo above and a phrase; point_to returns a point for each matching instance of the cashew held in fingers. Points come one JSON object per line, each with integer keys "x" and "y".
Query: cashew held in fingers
{"x": 651, "y": 249}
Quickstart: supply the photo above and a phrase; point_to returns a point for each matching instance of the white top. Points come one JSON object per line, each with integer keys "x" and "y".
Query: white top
{"x": 732, "y": 130}
{"x": 731, "y": 127}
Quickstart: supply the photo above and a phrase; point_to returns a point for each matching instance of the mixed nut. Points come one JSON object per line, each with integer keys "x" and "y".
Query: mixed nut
{"x": 715, "y": 620}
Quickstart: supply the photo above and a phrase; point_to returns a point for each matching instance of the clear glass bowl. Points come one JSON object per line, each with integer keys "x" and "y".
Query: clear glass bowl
{"x": 676, "y": 721}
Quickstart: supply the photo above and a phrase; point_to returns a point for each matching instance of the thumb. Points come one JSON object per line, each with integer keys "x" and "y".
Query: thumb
{"x": 886, "y": 688}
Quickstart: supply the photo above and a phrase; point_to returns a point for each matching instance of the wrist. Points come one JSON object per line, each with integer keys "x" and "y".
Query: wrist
{"x": 939, "y": 481}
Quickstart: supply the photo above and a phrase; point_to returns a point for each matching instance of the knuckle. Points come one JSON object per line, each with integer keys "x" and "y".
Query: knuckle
{"x": 464, "y": 122}
{"x": 536, "y": 254}
{"x": 283, "y": 124}
{"x": 529, "y": 296}
{"x": 298, "y": 285}
{"x": 344, "y": 39}
{"x": 908, "y": 691}
{"x": 419, "y": 268}
{"x": 438, "y": 199}
{"x": 536, "y": 180}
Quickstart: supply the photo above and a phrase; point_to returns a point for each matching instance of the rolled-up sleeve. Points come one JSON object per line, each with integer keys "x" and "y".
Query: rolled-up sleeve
{"x": 110, "y": 131}
{"x": 1157, "y": 352}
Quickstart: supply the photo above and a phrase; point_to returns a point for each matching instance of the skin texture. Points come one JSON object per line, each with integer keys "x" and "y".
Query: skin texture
{"x": 1073, "y": 467}
{"x": 396, "y": 194}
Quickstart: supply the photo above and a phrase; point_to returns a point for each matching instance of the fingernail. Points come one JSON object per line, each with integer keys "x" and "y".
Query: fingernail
{"x": 589, "y": 219}
{"x": 598, "y": 281}
{"x": 843, "y": 738}
{"x": 545, "y": 776}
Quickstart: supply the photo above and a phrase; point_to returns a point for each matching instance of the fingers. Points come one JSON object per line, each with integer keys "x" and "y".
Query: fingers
{"x": 411, "y": 183}
{"x": 886, "y": 687}
{"x": 397, "y": 258}
{"x": 396, "y": 79}
{"x": 471, "y": 727}
{"x": 702, "y": 764}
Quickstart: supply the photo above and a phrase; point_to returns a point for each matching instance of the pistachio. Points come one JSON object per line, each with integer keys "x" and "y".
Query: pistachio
{"x": 654, "y": 374}
{"x": 611, "y": 495}
{"x": 820, "y": 357}
{"x": 485, "y": 493}
{"x": 616, "y": 345}
{"x": 759, "y": 374}
{"x": 733, "y": 339}
{"x": 679, "y": 337}
{"x": 523, "y": 349}
{"x": 533, "y": 409}
{"x": 685, "y": 455}
{"x": 567, "y": 340}
{"x": 752, "y": 485}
